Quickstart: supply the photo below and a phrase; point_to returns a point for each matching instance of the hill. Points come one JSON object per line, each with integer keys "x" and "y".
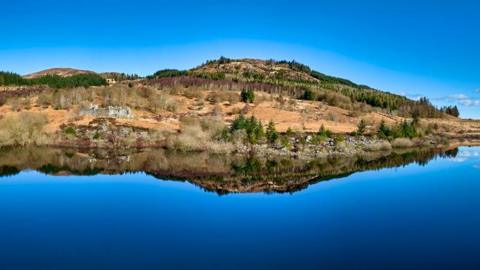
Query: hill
{"x": 300, "y": 81}
{"x": 62, "y": 72}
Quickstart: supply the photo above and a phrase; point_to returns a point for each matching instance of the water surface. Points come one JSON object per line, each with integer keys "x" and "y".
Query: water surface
{"x": 419, "y": 215}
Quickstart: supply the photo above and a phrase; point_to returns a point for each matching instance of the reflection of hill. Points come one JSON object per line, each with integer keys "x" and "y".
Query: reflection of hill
{"x": 221, "y": 174}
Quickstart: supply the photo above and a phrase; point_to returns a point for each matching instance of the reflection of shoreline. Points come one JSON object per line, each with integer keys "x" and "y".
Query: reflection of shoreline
{"x": 218, "y": 173}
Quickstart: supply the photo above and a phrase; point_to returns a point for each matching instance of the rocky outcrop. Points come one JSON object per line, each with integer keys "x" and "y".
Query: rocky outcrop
{"x": 108, "y": 112}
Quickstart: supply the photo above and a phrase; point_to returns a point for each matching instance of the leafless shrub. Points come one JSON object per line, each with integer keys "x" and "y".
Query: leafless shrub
{"x": 44, "y": 100}
{"x": 222, "y": 96}
{"x": 378, "y": 146}
{"x": 402, "y": 143}
{"x": 198, "y": 135}
{"x": 163, "y": 102}
{"x": 192, "y": 93}
{"x": 22, "y": 128}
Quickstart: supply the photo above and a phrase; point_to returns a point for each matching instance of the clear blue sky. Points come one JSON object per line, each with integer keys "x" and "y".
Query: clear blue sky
{"x": 416, "y": 48}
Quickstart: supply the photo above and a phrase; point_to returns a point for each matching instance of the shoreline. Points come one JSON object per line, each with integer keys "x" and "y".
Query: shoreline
{"x": 354, "y": 147}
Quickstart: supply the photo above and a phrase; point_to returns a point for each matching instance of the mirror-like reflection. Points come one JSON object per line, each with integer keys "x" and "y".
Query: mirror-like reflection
{"x": 417, "y": 216}
{"x": 218, "y": 173}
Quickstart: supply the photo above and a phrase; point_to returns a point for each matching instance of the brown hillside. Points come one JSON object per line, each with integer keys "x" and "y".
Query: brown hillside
{"x": 269, "y": 70}
{"x": 63, "y": 72}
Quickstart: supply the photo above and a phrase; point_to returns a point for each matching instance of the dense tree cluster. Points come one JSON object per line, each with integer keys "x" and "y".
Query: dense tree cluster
{"x": 294, "y": 65}
{"x": 335, "y": 80}
{"x": 121, "y": 76}
{"x": 168, "y": 73}
{"x": 421, "y": 108}
{"x": 53, "y": 81}
{"x": 375, "y": 98}
{"x": 451, "y": 110}
{"x": 77, "y": 80}
{"x": 407, "y": 129}
{"x": 252, "y": 127}
{"x": 9, "y": 78}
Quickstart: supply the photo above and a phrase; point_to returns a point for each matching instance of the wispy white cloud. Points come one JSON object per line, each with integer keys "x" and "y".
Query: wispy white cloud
{"x": 459, "y": 159}
{"x": 414, "y": 96}
{"x": 462, "y": 99}
{"x": 467, "y": 153}
{"x": 411, "y": 96}
{"x": 459, "y": 96}
{"x": 470, "y": 102}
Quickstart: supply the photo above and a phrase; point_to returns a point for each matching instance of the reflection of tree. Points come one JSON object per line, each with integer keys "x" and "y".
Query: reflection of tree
{"x": 53, "y": 169}
{"x": 8, "y": 171}
{"x": 221, "y": 174}
{"x": 450, "y": 153}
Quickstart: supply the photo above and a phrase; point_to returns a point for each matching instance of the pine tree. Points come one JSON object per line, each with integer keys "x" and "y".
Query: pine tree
{"x": 361, "y": 127}
{"x": 383, "y": 131}
{"x": 323, "y": 132}
{"x": 272, "y": 134}
{"x": 247, "y": 96}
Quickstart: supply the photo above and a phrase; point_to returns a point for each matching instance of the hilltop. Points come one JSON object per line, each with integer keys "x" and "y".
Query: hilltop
{"x": 223, "y": 105}
{"x": 62, "y": 72}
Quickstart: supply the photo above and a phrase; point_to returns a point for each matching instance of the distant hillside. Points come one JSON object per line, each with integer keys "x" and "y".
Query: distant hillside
{"x": 82, "y": 78}
{"x": 62, "y": 72}
{"x": 285, "y": 78}
{"x": 269, "y": 71}
{"x": 300, "y": 81}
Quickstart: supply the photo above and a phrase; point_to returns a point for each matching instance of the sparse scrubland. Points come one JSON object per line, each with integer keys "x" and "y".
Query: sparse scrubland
{"x": 222, "y": 106}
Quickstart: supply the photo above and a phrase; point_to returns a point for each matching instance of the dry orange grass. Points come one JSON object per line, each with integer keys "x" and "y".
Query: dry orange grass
{"x": 299, "y": 115}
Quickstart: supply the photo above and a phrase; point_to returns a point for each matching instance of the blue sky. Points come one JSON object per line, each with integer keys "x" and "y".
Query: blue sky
{"x": 416, "y": 48}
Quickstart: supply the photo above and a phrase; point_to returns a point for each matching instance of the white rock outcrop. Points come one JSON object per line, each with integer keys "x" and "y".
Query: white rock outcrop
{"x": 108, "y": 112}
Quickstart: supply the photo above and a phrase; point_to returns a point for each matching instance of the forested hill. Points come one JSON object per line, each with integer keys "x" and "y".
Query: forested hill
{"x": 288, "y": 78}
{"x": 308, "y": 84}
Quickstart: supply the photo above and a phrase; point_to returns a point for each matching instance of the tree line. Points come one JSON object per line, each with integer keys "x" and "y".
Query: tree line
{"x": 167, "y": 73}
{"x": 120, "y": 76}
{"x": 53, "y": 81}
{"x": 451, "y": 110}
{"x": 10, "y": 78}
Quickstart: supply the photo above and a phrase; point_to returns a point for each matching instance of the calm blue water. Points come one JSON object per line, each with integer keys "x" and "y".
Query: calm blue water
{"x": 406, "y": 218}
